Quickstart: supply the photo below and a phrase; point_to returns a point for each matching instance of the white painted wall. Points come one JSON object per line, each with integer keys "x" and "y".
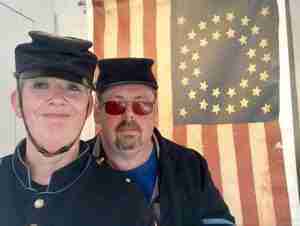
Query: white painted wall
{"x": 14, "y": 28}
{"x": 286, "y": 117}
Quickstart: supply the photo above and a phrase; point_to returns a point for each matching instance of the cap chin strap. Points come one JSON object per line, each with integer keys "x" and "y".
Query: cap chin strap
{"x": 39, "y": 148}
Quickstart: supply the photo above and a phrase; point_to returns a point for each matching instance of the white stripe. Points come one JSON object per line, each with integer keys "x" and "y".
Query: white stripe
{"x": 230, "y": 183}
{"x": 261, "y": 173}
{"x": 136, "y": 28}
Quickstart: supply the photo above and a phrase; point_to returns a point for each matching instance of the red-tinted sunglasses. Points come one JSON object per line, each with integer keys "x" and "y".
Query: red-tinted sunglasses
{"x": 119, "y": 107}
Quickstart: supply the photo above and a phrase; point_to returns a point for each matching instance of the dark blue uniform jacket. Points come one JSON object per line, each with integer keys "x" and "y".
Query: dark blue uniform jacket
{"x": 187, "y": 195}
{"x": 80, "y": 194}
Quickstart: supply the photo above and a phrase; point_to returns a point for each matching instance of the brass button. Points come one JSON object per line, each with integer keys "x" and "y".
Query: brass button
{"x": 127, "y": 180}
{"x": 100, "y": 161}
{"x": 39, "y": 203}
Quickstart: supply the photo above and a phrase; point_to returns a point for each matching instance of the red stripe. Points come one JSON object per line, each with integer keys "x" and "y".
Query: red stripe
{"x": 245, "y": 174}
{"x": 123, "y": 28}
{"x": 277, "y": 173}
{"x": 211, "y": 153}
{"x": 99, "y": 25}
{"x": 149, "y": 30}
{"x": 180, "y": 135}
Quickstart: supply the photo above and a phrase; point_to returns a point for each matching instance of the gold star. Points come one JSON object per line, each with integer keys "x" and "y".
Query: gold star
{"x": 196, "y": 72}
{"x": 263, "y": 76}
{"x": 244, "y": 83}
{"x": 181, "y": 20}
{"x": 243, "y": 40}
{"x": 203, "y": 85}
{"x": 182, "y": 112}
{"x": 245, "y": 21}
{"x": 192, "y": 94}
{"x": 216, "y": 35}
{"x": 203, "y": 42}
{"x": 192, "y": 35}
{"x": 256, "y": 91}
{"x": 230, "y": 109}
{"x": 231, "y": 92}
{"x": 230, "y": 16}
{"x": 266, "y": 58}
{"x": 202, "y": 25}
{"x": 264, "y": 43}
{"x": 251, "y": 53}
{"x": 230, "y": 33}
{"x": 252, "y": 68}
{"x": 195, "y": 56}
{"x": 266, "y": 108}
{"x": 265, "y": 11}
{"x": 203, "y": 104}
{"x": 216, "y": 19}
{"x": 216, "y": 92}
{"x": 182, "y": 66}
{"x": 184, "y": 50}
{"x": 184, "y": 81}
{"x": 255, "y": 30}
{"x": 244, "y": 103}
{"x": 216, "y": 109}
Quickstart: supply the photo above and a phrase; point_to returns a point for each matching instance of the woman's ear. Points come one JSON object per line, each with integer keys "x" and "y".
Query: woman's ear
{"x": 15, "y": 103}
{"x": 91, "y": 104}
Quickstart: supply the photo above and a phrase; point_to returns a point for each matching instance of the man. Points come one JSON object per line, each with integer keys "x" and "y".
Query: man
{"x": 172, "y": 180}
{"x": 52, "y": 178}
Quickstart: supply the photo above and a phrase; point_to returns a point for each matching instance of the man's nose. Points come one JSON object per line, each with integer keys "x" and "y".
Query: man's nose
{"x": 128, "y": 114}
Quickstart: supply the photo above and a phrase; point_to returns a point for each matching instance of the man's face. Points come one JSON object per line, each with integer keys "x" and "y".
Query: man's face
{"x": 124, "y": 134}
{"x": 54, "y": 110}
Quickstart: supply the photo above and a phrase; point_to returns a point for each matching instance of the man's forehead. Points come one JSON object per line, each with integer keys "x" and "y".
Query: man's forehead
{"x": 129, "y": 90}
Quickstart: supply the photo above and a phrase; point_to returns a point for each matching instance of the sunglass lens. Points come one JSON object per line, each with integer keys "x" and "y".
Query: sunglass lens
{"x": 114, "y": 108}
{"x": 142, "y": 108}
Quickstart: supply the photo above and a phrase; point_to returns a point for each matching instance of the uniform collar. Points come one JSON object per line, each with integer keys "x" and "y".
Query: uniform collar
{"x": 61, "y": 180}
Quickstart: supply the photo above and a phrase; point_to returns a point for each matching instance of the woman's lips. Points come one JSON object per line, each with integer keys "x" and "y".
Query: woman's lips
{"x": 56, "y": 115}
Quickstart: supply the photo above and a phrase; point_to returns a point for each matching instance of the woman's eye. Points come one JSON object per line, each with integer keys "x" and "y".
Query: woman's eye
{"x": 40, "y": 85}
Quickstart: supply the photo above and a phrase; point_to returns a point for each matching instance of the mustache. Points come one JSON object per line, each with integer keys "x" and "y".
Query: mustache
{"x": 128, "y": 125}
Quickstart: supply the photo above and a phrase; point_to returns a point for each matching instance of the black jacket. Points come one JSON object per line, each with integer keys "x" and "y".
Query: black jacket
{"x": 187, "y": 195}
{"x": 80, "y": 194}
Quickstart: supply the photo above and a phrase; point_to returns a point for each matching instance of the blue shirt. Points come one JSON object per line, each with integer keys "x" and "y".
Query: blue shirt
{"x": 145, "y": 175}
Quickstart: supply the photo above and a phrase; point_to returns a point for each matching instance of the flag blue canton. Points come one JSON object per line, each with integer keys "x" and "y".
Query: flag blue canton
{"x": 225, "y": 61}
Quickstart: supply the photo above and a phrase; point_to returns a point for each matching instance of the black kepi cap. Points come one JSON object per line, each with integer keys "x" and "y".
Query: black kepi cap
{"x": 50, "y": 55}
{"x": 122, "y": 71}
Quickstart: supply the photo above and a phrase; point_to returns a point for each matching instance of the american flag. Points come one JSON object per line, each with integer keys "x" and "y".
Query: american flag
{"x": 245, "y": 158}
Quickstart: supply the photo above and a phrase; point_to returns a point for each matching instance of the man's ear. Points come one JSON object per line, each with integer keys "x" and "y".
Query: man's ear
{"x": 15, "y": 103}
